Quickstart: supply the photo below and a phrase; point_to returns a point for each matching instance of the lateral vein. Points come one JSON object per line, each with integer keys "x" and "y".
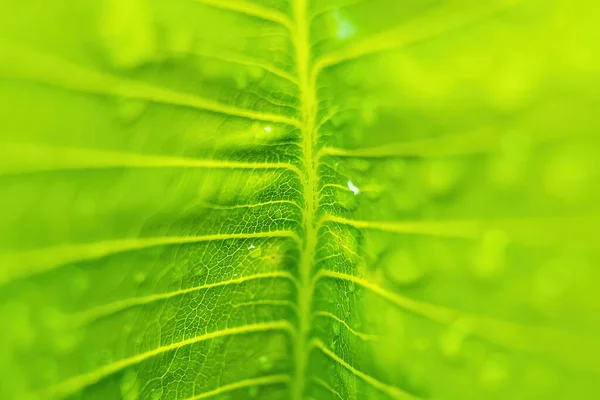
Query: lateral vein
{"x": 390, "y": 390}
{"x": 77, "y": 383}
{"x": 360, "y": 335}
{"x": 30, "y": 157}
{"x": 262, "y": 381}
{"x": 251, "y": 9}
{"x": 117, "y": 306}
{"x": 530, "y": 339}
{"x": 431, "y": 24}
{"x": 526, "y": 231}
{"x": 27, "y": 64}
{"x": 19, "y": 265}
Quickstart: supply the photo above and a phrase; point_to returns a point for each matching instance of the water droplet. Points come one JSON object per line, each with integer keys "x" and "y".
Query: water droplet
{"x": 66, "y": 341}
{"x": 129, "y": 42}
{"x": 373, "y": 195}
{"x": 396, "y": 169}
{"x": 80, "y": 283}
{"x": 266, "y": 364}
{"x": 359, "y": 165}
{"x": 369, "y": 112}
{"x": 452, "y": 340}
{"x": 552, "y": 280}
{"x": 130, "y": 385}
{"x": 253, "y": 391}
{"x": 20, "y": 331}
{"x": 210, "y": 68}
{"x": 336, "y": 328}
{"x": 351, "y": 287}
{"x": 256, "y": 72}
{"x": 514, "y": 83}
{"x": 507, "y": 169}
{"x": 139, "y": 277}
{"x": 441, "y": 176}
{"x": 156, "y": 394}
{"x": 346, "y": 199}
{"x": 242, "y": 80}
{"x": 402, "y": 269}
{"x": 130, "y": 110}
{"x": 489, "y": 256}
{"x": 567, "y": 176}
{"x": 181, "y": 39}
{"x": 255, "y": 252}
{"x": 268, "y": 129}
{"x": 494, "y": 372}
{"x": 345, "y": 28}
{"x": 353, "y": 188}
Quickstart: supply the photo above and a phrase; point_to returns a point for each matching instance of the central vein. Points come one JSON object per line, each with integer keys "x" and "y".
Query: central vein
{"x": 308, "y": 103}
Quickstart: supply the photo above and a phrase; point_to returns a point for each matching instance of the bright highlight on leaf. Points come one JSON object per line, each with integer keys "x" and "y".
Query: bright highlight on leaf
{"x": 293, "y": 199}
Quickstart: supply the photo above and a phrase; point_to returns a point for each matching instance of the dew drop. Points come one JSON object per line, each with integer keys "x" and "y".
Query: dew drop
{"x": 353, "y": 188}
{"x": 489, "y": 256}
{"x": 345, "y": 28}
{"x": 507, "y": 170}
{"x": 130, "y": 385}
{"x": 441, "y": 176}
{"x": 129, "y": 42}
{"x": 66, "y": 342}
{"x": 359, "y": 165}
{"x": 156, "y": 394}
{"x": 268, "y": 129}
{"x": 79, "y": 284}
{"x": 552, "y": 280}
{"x": 396, "y": 169}
{"x": 336, "y": 328}
{"x": 369, "y": 112}
{"x": 452, "y": 340}
{"x": 130, "y": 110}
{"x": 351, "y": 287}
{"x": 346, "y": 199}
{"x": 373, "y": 195}
{"x": 266, "y": 364}
{"x": 256, "y": 72}
{"x": 242, "y": 80}
{"x": 139, "y": 277}
{"x": 255, "y": 252}
{"x": 20, "y": 331}
{"x": 181, "y": 40}
{"x": 567, "y": 176}
{"x": 494, "y": 372}
{"x": 253, "y": 391}
{"x": 402, "y": 269}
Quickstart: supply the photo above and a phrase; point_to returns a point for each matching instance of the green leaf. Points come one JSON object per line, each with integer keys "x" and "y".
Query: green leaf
{"x": 326, "y": 199}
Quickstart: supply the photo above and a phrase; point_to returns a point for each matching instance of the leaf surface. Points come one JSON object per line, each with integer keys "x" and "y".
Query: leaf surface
{"x": 308, "y": 199}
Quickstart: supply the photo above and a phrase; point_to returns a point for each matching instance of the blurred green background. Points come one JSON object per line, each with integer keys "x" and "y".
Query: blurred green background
{"x": 186, "y": 184}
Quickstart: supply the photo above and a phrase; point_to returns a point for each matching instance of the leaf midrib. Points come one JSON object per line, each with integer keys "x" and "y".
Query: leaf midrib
{"x": 301, "y": 40}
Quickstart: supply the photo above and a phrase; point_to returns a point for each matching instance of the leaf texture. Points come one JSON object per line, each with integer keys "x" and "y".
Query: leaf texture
{"x": 326, "y": 199}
